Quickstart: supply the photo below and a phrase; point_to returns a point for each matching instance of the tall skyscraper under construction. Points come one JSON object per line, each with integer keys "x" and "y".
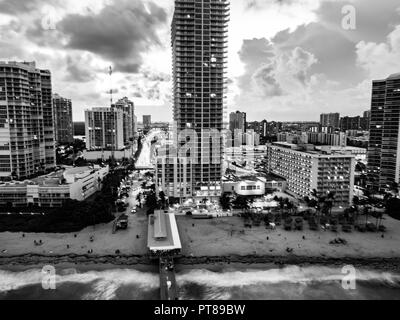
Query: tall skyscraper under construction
{"x": 199, "y": 47}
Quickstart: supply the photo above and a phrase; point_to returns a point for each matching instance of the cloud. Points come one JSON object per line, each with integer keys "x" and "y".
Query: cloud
{"x": 18, "y": 6}
{"x": 260, "y": 4}
{"x": 79, "y": 69}
{"x": 121, "y": 32}
{"x": 270, "y": 73}
{"x": 374, "y": 19}
{"x": 380, "y": 59}
{"x": 254, "y": 54}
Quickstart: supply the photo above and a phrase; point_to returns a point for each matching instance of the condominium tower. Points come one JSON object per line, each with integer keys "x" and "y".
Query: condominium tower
{"x": 27, "y": 144}
{"x": 237, "y": 121}
{"x": 63, "y": 123}
{"x": 199, "y": 46}
{"x": 384, "y": 143}
{"x": 104, "y": 129}
{"x": 330, "y": 120}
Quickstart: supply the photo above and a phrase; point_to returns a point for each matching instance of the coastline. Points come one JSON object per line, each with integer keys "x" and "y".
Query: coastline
{"x": 144, "y": 264}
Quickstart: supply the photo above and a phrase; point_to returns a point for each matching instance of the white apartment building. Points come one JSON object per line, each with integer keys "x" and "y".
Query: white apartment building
{"x": 306, "y": 169}
{"x": 104, "y": 129}
{"x": 27, "y": 145}
{"x": 54, "y": 189}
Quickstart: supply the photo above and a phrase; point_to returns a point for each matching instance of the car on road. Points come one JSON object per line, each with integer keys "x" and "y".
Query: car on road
{"x": 134, "y": 210}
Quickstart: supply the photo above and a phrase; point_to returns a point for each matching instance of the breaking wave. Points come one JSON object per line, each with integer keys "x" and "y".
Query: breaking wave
{"x": 292, "y": 274}
{"x": 104, "y": 284}
{"x": 292, "y": 282}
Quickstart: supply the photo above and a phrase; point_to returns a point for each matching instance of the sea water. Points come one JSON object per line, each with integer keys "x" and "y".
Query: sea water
{"x": 292, "y": 282}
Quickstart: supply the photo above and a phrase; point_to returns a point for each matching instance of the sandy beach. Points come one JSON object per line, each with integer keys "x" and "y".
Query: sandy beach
{"x": 223, "y": 237}
{"x": 104, "y": 241}
{"x": 216, "y": 243}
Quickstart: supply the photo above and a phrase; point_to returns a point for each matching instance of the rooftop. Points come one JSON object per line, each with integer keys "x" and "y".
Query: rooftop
{"x": 394, "y": 76}
{"x": 163, "y": 232}
{"x": 55, "y": 178}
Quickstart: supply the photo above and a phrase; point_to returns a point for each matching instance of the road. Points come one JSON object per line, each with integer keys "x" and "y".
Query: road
{"x": 146, "y": 157}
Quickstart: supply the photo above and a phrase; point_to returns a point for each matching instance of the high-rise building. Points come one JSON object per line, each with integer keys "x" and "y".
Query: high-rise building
{"x": 330, "y": 120}
{"x": 27, "y": 145}
{"x": 383, "y": 149}
{"x": 104, "y": 129}
{"x": 146, "y": 122}
{"x": 350, "y": 123}
{"x": 365, "y": 120}
{"x": 199, "y": 46}
{"x": 63, "y": 124}
{"x": 237, "y": 121}
{"x": 130, "y": 120}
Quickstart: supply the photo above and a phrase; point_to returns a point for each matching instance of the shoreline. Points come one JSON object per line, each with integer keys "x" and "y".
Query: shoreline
{"x": 144, "y": 263}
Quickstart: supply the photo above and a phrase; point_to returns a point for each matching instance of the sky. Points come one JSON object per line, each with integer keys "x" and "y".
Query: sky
{"x": 288, "y": 59}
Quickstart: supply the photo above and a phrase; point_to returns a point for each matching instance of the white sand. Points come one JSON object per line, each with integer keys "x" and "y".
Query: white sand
{"x": 105, "y": 243}
{"x": 210, "y": 238}
{"x": 213, "y": 238}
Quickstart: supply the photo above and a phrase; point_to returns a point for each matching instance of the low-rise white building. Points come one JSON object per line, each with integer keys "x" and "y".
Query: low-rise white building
{"x": 54, "y": 189}
{"x": 305, "y": 168}
{"x": 243, "y": 186}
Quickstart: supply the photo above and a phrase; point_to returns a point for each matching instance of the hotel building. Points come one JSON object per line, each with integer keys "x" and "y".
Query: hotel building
{"x": 384, "y": 143}
{"x": 199, "y": 46}
{"x": 27, "y": 145}
{"x": 306, "y": 169}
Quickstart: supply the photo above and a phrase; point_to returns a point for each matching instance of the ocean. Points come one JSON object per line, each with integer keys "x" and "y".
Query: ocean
{"x": 292, "y": 282}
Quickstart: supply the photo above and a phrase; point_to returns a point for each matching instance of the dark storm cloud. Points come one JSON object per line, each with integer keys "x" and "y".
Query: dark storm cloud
{"x": 121, "y": 32}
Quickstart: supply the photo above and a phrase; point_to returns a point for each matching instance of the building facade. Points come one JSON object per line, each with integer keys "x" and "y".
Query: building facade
{"x": 27, "y": 145}
{"x": 330, "y": 120}
{"x": 54, "y": 189}
{"x": 237, "y": 121}
{"x": 104, "y": 129}
{"x": 129, "y": 118}
{"x": 306, "y": 169}
{"x": 384, "y": 142}
{"x": 199, "y": 46}
{"x": 146, "y": 122}
{"x": 63, "y": 123}
{"x": 350, "y": 123}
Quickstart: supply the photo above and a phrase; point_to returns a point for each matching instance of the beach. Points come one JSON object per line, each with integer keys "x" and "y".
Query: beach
{"x": 213, "y": 242}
